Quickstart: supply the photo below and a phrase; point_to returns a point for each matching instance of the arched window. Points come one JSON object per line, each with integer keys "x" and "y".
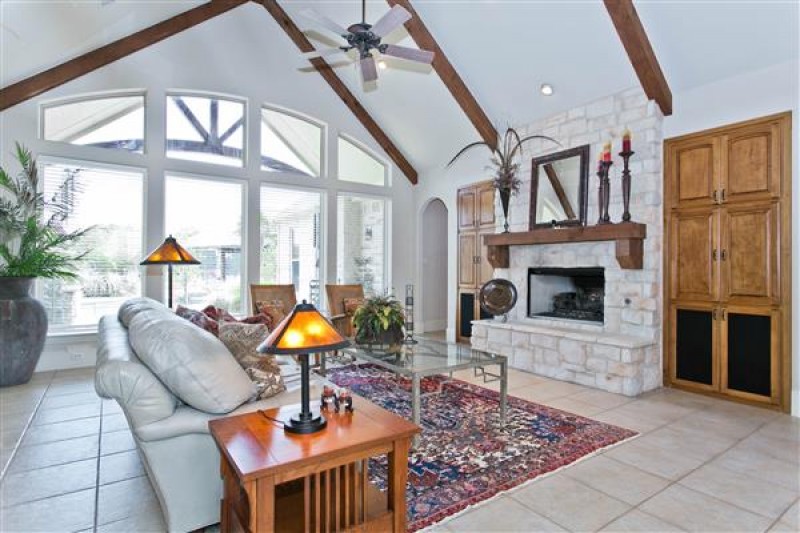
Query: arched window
{"x": 356, "y": 164}
{"x": 208, "y": 129}
{"x": 291, "y": 143}
{"x": 105, "y": 121}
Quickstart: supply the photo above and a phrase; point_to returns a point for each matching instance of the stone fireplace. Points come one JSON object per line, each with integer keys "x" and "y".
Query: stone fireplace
{"x": 566, "y": 293}
{"x": 587, "y": 319}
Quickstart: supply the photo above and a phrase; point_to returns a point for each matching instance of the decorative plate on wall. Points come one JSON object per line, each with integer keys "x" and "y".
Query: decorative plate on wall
{"x": 498, "y": 296}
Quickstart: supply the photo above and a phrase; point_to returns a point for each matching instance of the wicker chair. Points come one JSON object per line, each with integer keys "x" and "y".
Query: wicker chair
{"x": 271, "y": 293}
{"x": 336, "y": 296}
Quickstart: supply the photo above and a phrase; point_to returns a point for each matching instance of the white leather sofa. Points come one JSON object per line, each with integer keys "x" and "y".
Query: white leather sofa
{"x": 172, "y": 437}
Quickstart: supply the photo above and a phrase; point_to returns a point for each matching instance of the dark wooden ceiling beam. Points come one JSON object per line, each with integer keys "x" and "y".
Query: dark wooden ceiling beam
{"x": 77, "y": 67}
{"x": 634, "y": 38}
{"x": 419, "y": 32}
{"x": 338, "y": 86}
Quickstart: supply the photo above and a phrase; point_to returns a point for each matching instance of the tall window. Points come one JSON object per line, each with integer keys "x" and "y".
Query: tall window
{"x": 358, "y": 165}
{"x": 290, "y": 144}
{"x": 290, "y": 240}
{"x": 114, "y": 121}
{"x": 206, "y": 129}
{"x": 205, "y": 216}
{"x": 110, "y": 201}
{"x": 361, "y": 242}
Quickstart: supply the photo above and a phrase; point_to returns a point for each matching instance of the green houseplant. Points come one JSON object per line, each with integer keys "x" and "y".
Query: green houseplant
{"x": 379, "y": 320}
{"x": 504, "y": 163}
{"x": 33, "y": 244}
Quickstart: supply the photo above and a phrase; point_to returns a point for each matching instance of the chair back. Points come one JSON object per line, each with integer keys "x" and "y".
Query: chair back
{"x": 336, "y": 295}
{"x": 270, "y": 293}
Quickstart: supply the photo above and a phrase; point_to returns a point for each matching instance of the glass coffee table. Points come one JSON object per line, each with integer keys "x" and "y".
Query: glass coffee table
{"x": 429, "y": 358}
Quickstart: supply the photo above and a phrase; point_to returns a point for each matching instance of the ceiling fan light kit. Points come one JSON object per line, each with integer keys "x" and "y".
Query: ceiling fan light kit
{"x": 365, "y": 38}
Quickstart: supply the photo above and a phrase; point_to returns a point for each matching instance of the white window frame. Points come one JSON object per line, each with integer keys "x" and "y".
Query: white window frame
{"x": 323, "y": 159}
{"x": 387, "y": 234}
{"x": 323, "y": 230}
{"x": 387, "y": 168}
{"x": 87, "y": 97}
{"x": 43, "y": 161}
{"x": 245, "y": 233}
{"x": 219, "y": 96}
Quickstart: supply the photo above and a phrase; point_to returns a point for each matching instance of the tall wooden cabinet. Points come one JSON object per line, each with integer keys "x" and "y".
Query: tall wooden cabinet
{"x": 476, "y": 217}
{"x": 728, "y": 261}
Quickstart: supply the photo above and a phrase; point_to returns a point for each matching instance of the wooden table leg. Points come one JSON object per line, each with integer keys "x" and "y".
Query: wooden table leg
{"x": 398, "y": 476}
{"x": 261, "y": 499}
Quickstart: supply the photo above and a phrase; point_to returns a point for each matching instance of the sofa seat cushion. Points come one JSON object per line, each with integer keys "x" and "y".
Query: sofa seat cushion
{"x": 188, "y": 420}
{"x": 242, "y": 340}
{"x": 191, "y": 362}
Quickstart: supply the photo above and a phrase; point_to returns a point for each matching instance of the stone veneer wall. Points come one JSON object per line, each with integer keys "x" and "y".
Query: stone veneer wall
{"x": 624, "y": 354}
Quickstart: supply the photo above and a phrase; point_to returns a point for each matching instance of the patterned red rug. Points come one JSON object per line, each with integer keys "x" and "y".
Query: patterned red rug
{"x": 464, "y": 456}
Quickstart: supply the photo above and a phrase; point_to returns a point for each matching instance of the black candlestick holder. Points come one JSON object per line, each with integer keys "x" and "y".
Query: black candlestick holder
{"x": 626, "y": 185}
{"x": 603, "y": 192}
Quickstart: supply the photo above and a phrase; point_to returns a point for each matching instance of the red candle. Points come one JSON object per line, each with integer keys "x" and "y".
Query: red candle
{"x": 626, "y": 141}
{"x": 607, "y": 152}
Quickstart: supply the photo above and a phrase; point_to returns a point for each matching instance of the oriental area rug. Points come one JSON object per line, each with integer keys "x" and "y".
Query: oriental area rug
{"x": 465, "y": 457}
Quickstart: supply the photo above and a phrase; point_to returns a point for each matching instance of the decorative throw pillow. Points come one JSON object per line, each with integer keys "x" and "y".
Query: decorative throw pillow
{"x": 199, "y": 319}
{"x": 351, "y": 304}
{"x": 274, "y": 309}
{"x": 218, "y": 314}
{"x": 242, "y": 340}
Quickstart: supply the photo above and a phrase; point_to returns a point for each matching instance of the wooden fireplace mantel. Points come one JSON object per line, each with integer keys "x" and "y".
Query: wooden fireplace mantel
{"x": 628, "y": 236}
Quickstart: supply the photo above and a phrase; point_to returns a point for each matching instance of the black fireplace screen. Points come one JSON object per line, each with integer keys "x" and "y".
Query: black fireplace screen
{"x": 573, "y": 293}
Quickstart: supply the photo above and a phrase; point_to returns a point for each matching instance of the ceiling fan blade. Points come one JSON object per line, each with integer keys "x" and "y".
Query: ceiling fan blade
{"x": 323, "y": 53}
{"x": 324, "y": 21}
{"x": 404, "y": 52}
{"x": 392, "y": 20}
{"x": 369, "y": 71}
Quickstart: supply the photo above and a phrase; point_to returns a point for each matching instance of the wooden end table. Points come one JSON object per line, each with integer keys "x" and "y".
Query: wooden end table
{"x": 277, "y": 481}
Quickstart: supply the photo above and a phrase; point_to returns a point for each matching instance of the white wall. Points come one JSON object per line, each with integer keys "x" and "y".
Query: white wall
{"x": 433, "y": 258}
{"x": 262, "y": 69}
{"x": 763, "y": 92}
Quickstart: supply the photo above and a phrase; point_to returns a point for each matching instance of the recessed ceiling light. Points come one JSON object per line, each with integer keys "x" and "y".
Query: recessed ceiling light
{"x": 382, "y": 65}
{"x": 546, "y": 89}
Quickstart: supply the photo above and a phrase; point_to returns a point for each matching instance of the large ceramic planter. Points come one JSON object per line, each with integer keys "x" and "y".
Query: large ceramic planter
{"x": 23, "y": 330}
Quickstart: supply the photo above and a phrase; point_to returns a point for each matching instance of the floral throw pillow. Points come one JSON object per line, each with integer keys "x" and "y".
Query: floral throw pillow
{"x": 351, "y": 304}
{"x": 199, "y": 319}
{"x": 273, "y": 309}
{"x": 242, "y": 340}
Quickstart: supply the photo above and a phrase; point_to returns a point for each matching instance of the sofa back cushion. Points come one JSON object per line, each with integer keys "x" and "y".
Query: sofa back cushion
{"x": 134, "y": 306}
{"x": 191, "y": 362}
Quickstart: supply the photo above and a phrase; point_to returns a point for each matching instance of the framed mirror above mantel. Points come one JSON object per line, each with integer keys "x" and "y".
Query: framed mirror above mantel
{"x": 559, "y": 189}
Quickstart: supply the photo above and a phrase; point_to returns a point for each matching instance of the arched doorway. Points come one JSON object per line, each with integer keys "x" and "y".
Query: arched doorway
{"x": 433, "y": 297}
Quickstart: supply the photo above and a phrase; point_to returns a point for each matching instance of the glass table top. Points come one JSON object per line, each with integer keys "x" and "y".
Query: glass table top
{"x": 426, "y": 356}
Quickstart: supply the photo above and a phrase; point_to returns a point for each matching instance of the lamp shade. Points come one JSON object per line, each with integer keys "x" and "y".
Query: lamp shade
{"x": 170, "y": 253}
{"x": 304, "y": 331}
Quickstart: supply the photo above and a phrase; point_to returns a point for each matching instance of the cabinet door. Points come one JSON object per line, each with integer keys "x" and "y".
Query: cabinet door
{"x": 485, "y": 269}
{"x": 693, "y": 255}
{"x": 751, "y": 163}
{"x": 693, "y": 172}
{"x": 467, "y": 254}
{"x": 486, "y": 206}
{"x": 750, "y": 344}
{"x": 749, "y": 254}
{"x": 693, "y": 342}
{"x": 467, "y": 200}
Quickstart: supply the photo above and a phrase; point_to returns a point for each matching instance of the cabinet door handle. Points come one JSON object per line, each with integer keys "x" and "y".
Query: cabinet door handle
{"x": 715, "y": 195}
{"x": 723, "y": 314}
{"x": 714, "y": 254}
{"x": 723, "y": 254}
{"x": 723, "y": 195}
{"x": 714, "y": 314}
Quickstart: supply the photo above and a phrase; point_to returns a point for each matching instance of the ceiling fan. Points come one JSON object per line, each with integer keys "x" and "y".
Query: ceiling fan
{"x": 365, "y": 38}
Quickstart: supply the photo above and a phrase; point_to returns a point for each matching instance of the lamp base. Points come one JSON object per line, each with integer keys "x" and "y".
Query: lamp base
{"x": 303, "y": 426}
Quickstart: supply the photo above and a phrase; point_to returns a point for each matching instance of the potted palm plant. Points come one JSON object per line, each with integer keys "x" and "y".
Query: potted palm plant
{"x": 504, "y": 163}
{"x": 379, "y": 321}
{"x": 33, "y": 244}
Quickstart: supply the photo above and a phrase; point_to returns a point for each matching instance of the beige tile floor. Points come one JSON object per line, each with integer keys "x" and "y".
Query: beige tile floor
{"x": 69, "y": 464}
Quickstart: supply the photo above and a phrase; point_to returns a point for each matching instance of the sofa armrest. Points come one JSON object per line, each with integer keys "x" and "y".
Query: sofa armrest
{"x": 143, "y": 398}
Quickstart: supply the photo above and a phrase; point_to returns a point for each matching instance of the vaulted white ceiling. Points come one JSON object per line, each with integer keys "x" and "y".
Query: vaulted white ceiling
{"x": 504, "y": 51}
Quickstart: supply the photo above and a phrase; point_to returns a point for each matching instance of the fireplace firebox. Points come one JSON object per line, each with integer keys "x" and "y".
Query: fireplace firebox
{"x": 568, "y": 293}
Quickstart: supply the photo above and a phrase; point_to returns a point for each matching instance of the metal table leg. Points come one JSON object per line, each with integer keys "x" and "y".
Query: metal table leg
{"x": 503, "y": 391}
{"x": 415, "y": 401}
